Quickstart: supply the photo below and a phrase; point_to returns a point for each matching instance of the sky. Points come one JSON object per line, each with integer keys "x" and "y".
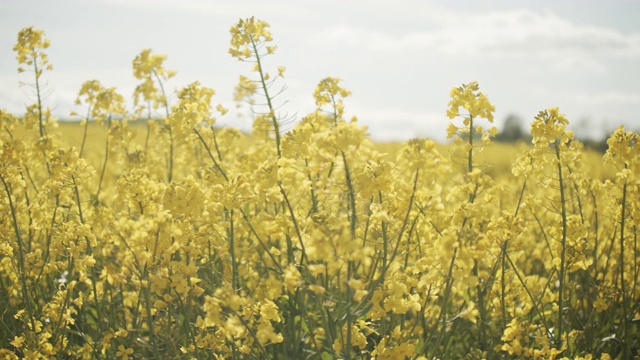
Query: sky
{"x": 399, "y": 58}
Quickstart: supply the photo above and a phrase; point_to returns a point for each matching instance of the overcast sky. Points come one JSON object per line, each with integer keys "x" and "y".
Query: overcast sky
{"x": 399, "y": 58}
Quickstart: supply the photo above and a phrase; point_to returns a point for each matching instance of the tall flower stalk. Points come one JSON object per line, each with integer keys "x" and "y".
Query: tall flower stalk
{"x": 554, "y": 150}
{"x": 464, "y": 230}
{"x": 150, "y": 94}
{"x": 624, "y": 154}
{"x": 30, "y": 53}
{"x": 250, "y": 41}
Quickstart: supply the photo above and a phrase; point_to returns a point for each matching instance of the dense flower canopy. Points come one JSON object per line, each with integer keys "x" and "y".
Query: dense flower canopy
{"x": 172, "y": 238}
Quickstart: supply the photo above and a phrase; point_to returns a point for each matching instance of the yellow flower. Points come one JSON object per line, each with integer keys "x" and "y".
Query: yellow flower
{"x": 329, "y": 92}
{"x": 146, "y": 65}
{"x": 452, "y": 130}
{"x": 550, "y": 126}
{"x": 623, "y": 148}
{"x": 292, "y": 278}
{"x": 266, "y": 333}
{"x": 17, "y": 341}
{"x": 234, "y": 328}
{"x": 317, "y": 289}
{"x": 269, "y": 311}
{"x": 245, "y": 37}
{"x": 102, "y": 102}
{"x": 245, "y": 89}
{"x": 194, "y": 108}
{"x": 124, "y": 352}
{"x": 29, "y": 49}
{"x": 468, "y": 97}
{"x": 149, "y": 68}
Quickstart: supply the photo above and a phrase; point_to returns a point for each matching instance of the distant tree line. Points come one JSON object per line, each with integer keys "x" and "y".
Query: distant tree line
{"x": 513, "y": 130}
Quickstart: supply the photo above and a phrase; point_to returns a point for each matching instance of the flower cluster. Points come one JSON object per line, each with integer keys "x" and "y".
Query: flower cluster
{"x": 150, "y": 69}
{"x": 329, "y": 92}
{"x": 30, "y": 50}
{"x": 178, "y": 239}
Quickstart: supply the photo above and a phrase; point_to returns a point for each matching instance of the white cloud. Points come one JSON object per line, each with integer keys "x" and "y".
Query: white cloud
{"x": 243, "y": 8}
{"x": 608, "y": 98}
{"x": 511, "y": 33}
{"x": 399, "y": 58}
{"x": 576, "y": 64}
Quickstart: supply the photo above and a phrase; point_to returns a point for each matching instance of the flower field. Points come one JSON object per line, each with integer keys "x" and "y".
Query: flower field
{"x": 171, "y": 237}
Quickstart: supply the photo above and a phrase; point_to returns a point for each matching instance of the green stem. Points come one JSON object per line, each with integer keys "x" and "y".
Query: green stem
{"x": 84, "y": 134}
{"x": 503, "y": 286}
{"x": 335, "y": 111}
{"x": 352, "y": 197}
{"x": 215, "y": 143}
{"x": 349, "y": 314}
{"x": 561, "y": 286}
{"x": 272, "y": 113}
{"x": 405, "y": 222}
{"x": 445, "y": 302}
{"x": 533, "y": 299}
{"x": 41, "y": 126}
{"x": 148, "y": 133}
{"x": 482, "y": 309}
{"x": 623, "y": 288}
{"x": 170, "y": 177}
{"x": 262, "y": 244}
{"x": 232, "y": 253}
{"x": 503, "y": 261}
{"x": 150, "y": 323}
{"x": 39, "y": 98}
{"x": 215, "y": 163}
{"x": 94, "y": 281}
{"x": 187, "y": 321}
{"x": 354, "y": 223}
{"x": 166, "y": 109}
{"x": 21, "y": 261}
{"x": 104, "y": 165}
{"x": 470, "y": 156}
{"x": 295, "y": 223}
